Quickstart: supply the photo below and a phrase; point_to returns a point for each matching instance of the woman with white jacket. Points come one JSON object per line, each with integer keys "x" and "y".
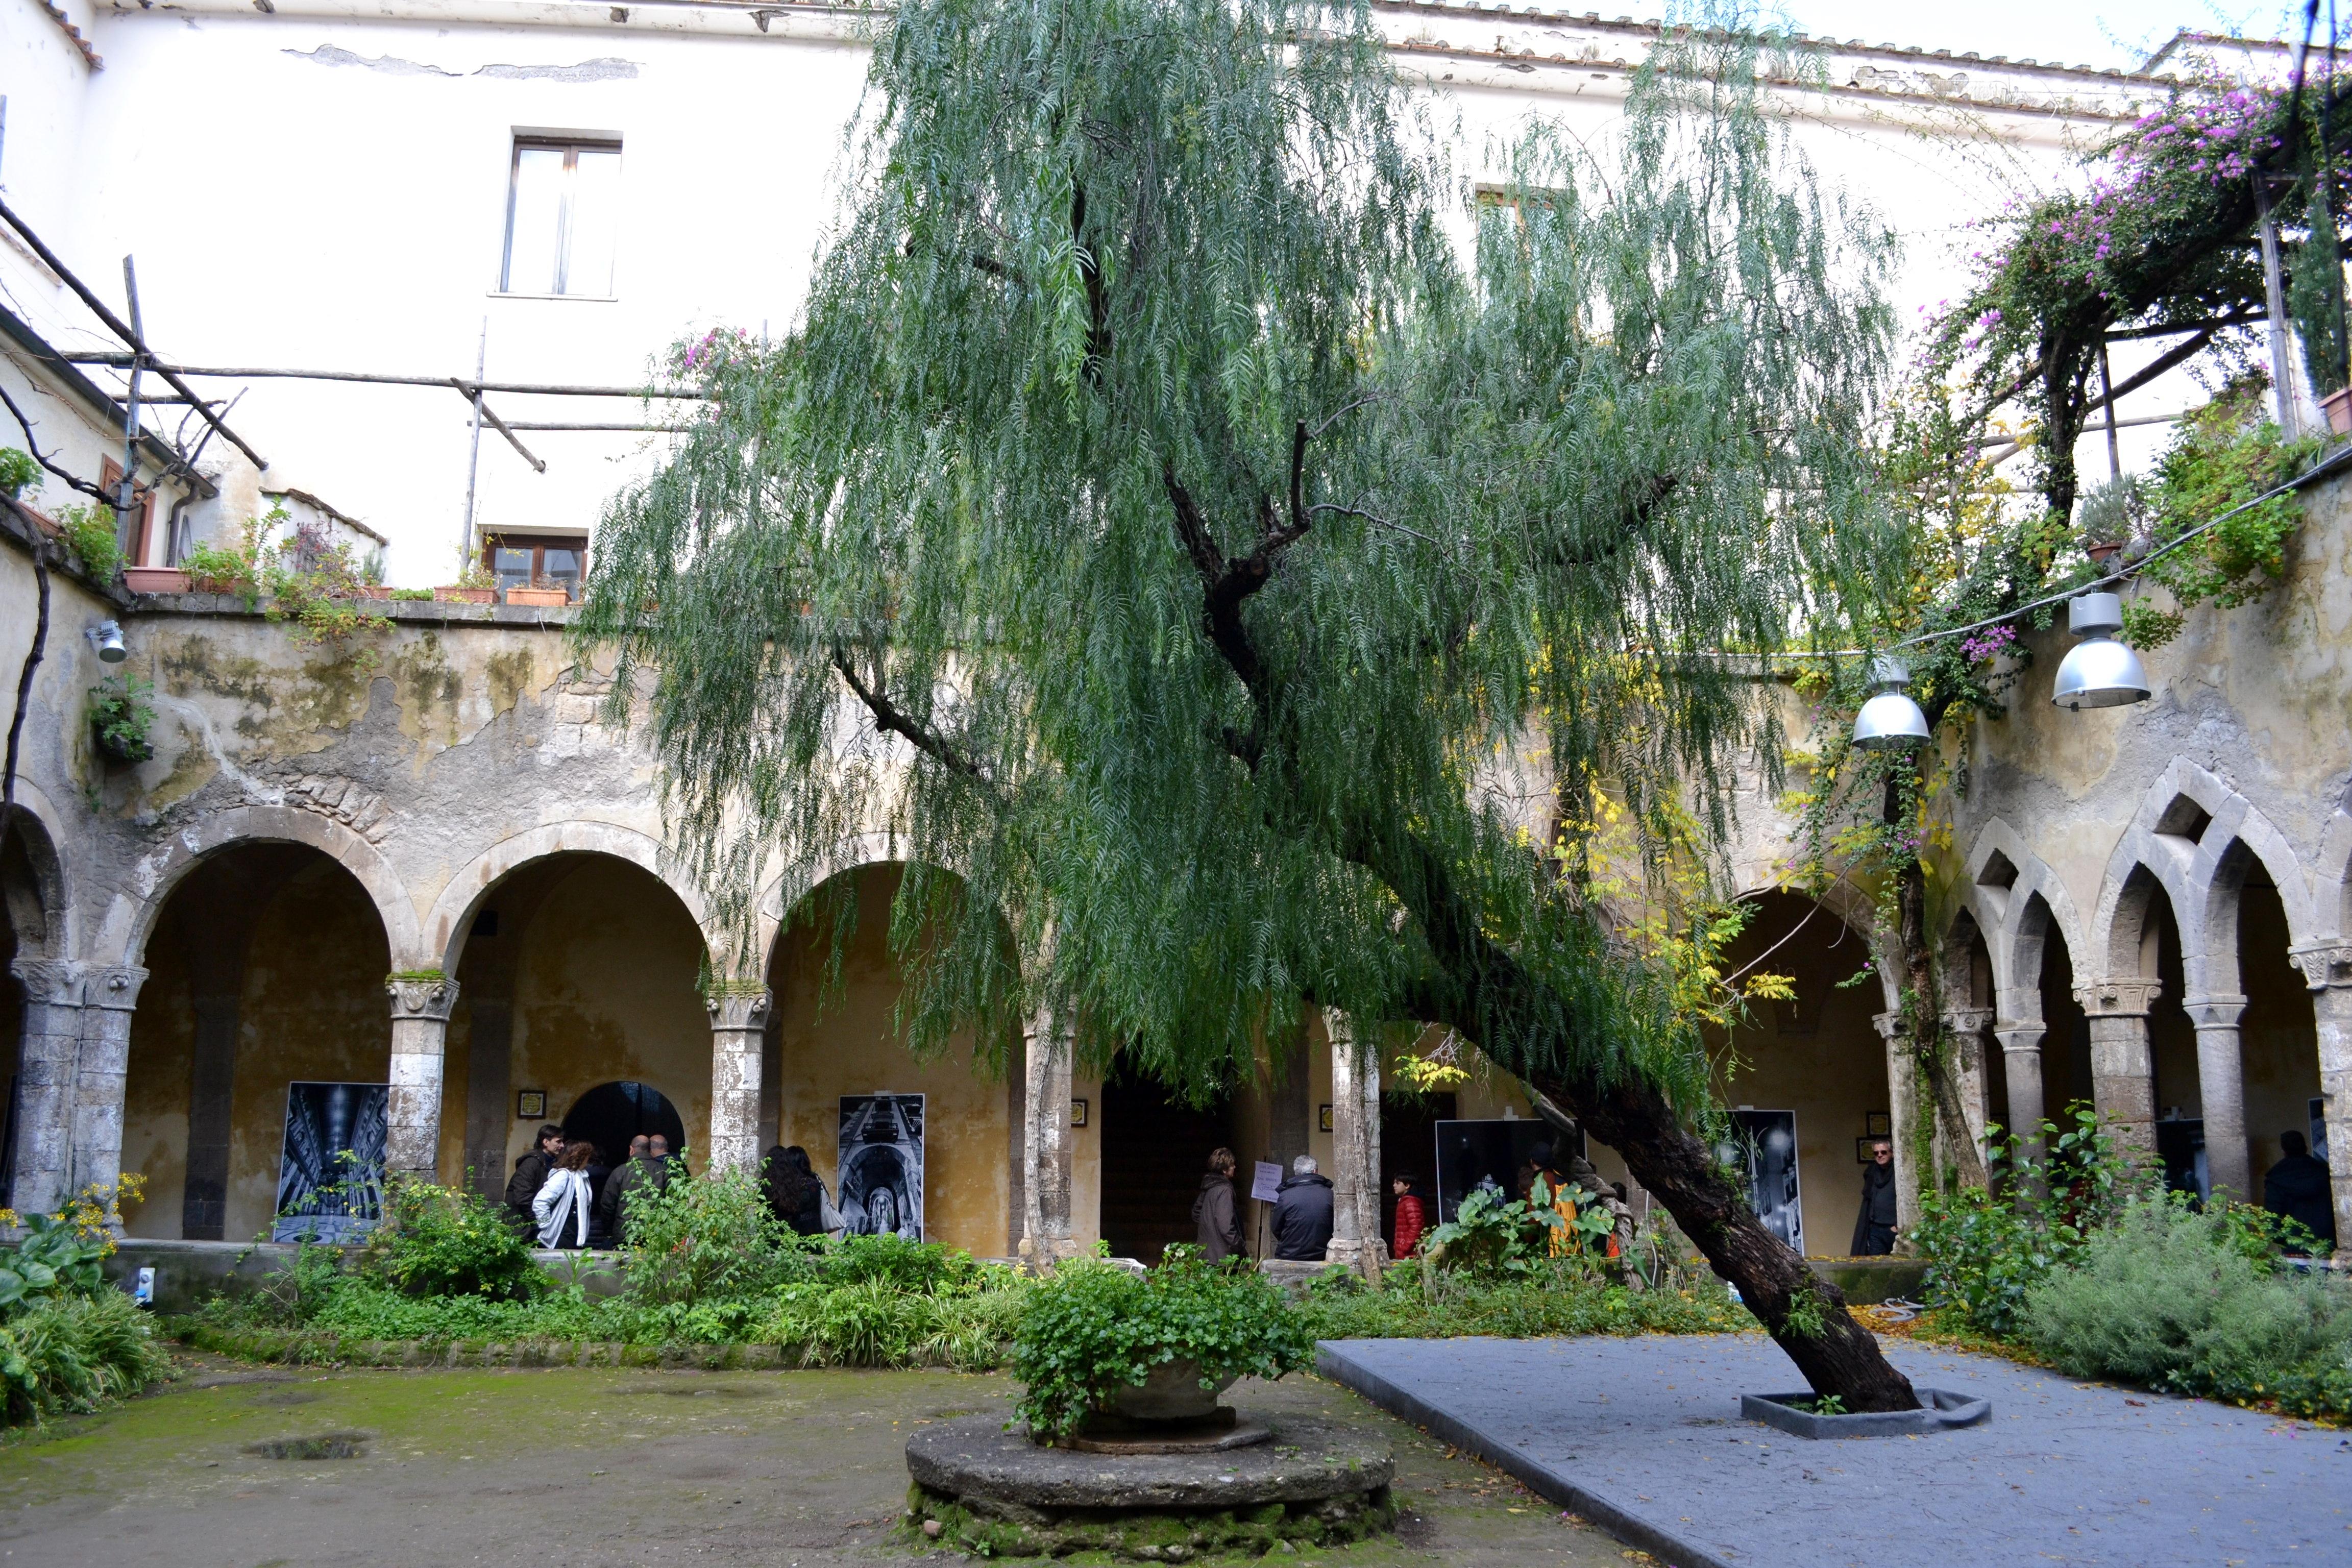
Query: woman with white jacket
{"x": 562, "y": 1204}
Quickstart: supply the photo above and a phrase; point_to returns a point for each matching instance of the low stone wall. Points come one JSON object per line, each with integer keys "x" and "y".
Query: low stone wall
{"x": 1867, "y": 1282}
{"x": 335, "y": 1350}
{"x": 188, "y": 1273}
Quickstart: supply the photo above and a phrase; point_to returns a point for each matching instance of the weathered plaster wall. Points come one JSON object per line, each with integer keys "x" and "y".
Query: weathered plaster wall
{"x": 849, "y": 1042}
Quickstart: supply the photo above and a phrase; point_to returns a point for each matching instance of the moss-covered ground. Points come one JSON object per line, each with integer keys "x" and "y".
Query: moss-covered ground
{"x": 586, "y": 1466}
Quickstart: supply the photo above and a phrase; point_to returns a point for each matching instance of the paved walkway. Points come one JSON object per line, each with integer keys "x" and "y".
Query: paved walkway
{"x": 1643, "y": 1436}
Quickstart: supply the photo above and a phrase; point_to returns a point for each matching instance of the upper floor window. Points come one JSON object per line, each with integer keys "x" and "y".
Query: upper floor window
{"x": 562, "y": 216}
{"x": 537, "y": 561}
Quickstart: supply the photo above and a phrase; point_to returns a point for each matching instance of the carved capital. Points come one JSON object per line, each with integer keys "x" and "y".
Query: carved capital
{"x": 112, "y": 986}
{"x": 2019, "y": 1034}
{"x": 1889, "y": 1025}
{"x": 738, "y": 1010}
{"x": 50, "y": 981}
{"x": 430, "y": 997}
{"x": 2128, "y": 997}
{"x": 2215, "y": 1012}
{"x": 2323, "y": 963}
{"x": 1967, "y": 1021}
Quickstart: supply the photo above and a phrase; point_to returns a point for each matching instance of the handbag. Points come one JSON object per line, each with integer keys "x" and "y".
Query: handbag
{"x": 828, "y": 1218}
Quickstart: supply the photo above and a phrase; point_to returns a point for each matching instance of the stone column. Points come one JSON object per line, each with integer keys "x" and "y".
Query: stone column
{"x": 739, "y": 1030}
{"x": 1902, "y": 1107}
{"x": 1045, "y": 1143}
{"x": 110, "y": 996}
{"x": 2222, "y": 1093}
{"x": 2021, "y": 1056}
{"x": 2123, "y": 1074}
{"x": 1965, "y": 1027}
{"x": 2327, "y": 970}
{"x": 45, "y": 1081}
{"x": 420, "y": 1025}
{"x": 1355, "y": 1089}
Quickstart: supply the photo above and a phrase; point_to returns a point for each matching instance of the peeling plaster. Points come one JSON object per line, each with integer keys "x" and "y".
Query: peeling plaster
{"x": 604, "y": 69}
{"x": 391, "y": 65}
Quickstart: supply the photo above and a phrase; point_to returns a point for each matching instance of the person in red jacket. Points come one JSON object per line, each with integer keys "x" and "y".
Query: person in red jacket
{"x": 1409, "y": 1217}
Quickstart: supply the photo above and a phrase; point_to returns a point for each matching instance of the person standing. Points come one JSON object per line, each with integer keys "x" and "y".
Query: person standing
{"x": 642, "y": 1171}
{"x": 1302, "y": 1213}
{"x": 795, "y": 1194}
{"x": 2296, "y": 1188}
{"x": 1874, "y": 1226}
{"x": 531, "y": 1168}
{"x": 671, "y": 1164}
{"x": 562, "y": 1204}
{"x": 1411, "y": 1219}
{"x": 1213, "y": 1217}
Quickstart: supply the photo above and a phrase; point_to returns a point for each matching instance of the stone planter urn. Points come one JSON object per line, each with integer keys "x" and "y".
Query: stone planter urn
{"x": 1172, "y": 1393}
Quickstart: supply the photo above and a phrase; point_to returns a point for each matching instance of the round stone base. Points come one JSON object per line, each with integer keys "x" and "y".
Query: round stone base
{"x": 996, "y": 1494}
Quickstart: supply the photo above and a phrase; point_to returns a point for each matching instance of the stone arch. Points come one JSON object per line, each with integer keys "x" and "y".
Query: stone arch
{"x": 784, "y": 891}
{"x": 44, "y": 908}
{"x": 2331, "y": 878}
{"x": 1853, "y": 909}
{"x": 2017, "y": 901}
{"x": 130, "y": 917}
{"x": 444, "y": 929}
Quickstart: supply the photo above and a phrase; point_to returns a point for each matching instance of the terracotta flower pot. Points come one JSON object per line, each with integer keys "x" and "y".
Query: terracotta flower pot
{"x": 467, "y": 595}
{"x": 2338, "y": 405}
{"x": 376, "y": 590}
{"x": 155, "y": 579}
{"x": 545, "y": 598}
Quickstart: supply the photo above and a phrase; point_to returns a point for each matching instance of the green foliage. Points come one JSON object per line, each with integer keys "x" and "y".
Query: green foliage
{"x": 1139, "y": 306}
{"x": 120, "y": 715}
{"x": 441, "y": 1241}
{"x": 2167, "y": 1297}
{"x": 703, "y": 1238}
{"x": 2222, "y": 457}
{"x": 55, "y": 1258}
{"x": 1491, "y": 1236}
{"x": 90, "y": 535}
{"x": 1093, "y": 1328}
{"x": 73, "y": 1352}
{"x": 1987, "y": 1249}
{"x": 18, "y": 472}
{"x": 232, "y": 567}
{"x": 414, "y": 595}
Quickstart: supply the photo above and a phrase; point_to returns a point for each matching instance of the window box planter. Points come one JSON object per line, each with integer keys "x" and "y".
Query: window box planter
{"x": 155, "y": 579}
{"x": 448, "y": 595}
{"x": 1940, "y": 1410}
{"x": 545, "y": 598}
{"x": 374, "y": 590}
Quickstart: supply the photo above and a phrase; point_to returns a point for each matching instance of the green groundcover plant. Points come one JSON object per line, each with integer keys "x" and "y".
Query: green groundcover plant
{"x": 69, "y": 1342}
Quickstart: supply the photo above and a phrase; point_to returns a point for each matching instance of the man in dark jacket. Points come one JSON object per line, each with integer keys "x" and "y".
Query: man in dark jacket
{"x": 1874, "y": 1226}
{"x": 2296, "y": 1188}
{"x": 644, "y": 1169}
{"x": 531, "y": 1167}
{"x": 1302, "y": 1213}
{"x": 1213, "y": 1216}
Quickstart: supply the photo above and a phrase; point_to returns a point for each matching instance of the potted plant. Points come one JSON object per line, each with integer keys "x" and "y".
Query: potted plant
{"x": 475, "y": 585}
{"x": 120, "y": 718}
{"x": 155, "y": 579}
{"x": 1098, "y": 1341}
{"x": 542, "y": 593}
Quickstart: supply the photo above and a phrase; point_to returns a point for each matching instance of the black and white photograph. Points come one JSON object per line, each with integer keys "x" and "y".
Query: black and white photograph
{"x": 1764, "y": 1144}
{"x": 331, "y": 1172}
{"x": 880, "y": 1178}
{"x": 1494, "y": 1155}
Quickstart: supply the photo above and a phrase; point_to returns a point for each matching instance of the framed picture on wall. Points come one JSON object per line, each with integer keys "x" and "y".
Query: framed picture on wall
{"x": 330, "y": 1164}
{"x": 1763, "y": 1147}
{"x": 880, "y": 1177}
{"x": 531, "y": 1105}
{"x": 1077, "y": 1113}
{"x": 1877, "y": 1124}
{"x": 1323, "y": 1119}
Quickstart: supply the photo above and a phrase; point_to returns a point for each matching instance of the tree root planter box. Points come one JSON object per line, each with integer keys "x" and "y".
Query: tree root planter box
{"x": 1942, "y": 1411}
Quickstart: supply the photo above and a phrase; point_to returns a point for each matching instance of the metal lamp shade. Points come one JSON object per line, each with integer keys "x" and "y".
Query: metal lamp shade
{"x": 1889, "y": 721}
{"x": 2099, "y": 672}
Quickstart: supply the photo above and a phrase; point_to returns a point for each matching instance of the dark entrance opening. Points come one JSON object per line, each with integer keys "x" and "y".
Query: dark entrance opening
{"x": 1409, "y": 1148}
{"x": 612, "y": 1113}
{"x": 1154, "y": 1152}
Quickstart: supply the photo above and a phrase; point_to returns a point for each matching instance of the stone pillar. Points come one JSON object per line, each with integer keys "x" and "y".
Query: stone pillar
{"x": 2020, "y": 1056}
{"x": 110, "y": 996}
{"x": 45, "y": 1082}
{"x": 2222, "y": 1093}
{"x": 1902, "y": 1111}
{"x": 1965, "y": 1027}
{"x": 2327, "y": 970}
{"x": 1355, "y": 1089}
{"x": 2123, "y": 1074}
{"x": 1045, "y": 1143}
{"x": 420, "y": 1023}
{"x": 739, "y": 1028}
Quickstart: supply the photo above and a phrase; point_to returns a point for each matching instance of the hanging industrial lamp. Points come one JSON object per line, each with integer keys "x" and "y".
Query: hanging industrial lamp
{"x": 2098, "y": 672}
{"x": 1889, "y": 721}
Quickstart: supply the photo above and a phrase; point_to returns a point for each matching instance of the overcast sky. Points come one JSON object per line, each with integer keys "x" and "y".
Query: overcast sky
{"x": 2096, "y": 33}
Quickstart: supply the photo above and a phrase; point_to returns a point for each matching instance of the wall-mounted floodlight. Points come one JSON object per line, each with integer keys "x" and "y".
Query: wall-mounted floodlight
{"x": 1890, "y": 721}
{"x": 2098, "y": 672}
{"x": 107, "y": 637}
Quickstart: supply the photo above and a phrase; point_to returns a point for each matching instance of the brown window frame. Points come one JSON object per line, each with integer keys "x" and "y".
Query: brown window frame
{"x": 539, "y": 544}
{"x": 142, "y": 525}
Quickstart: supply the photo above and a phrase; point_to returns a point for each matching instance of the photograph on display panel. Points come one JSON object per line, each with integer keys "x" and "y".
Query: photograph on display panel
{"x": 1494, "y": 1154}
{"x": 331, "y": 1172}
{"x": 880, "y": 1177}
{"x": 1763, "y": 1144}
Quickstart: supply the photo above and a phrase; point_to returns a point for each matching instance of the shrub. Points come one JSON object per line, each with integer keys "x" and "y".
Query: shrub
{"x": 704, "y": 1238}
{"x": 120, "y": 717}
{"x": 2168, "y": 1297}
{"x": 74, "y": 1352}
{"x": 1094, "y": 1328}
{"x": 924, "y": 1266}
{"x": 436, "y": 1241}
{"x": 89, "y": 533}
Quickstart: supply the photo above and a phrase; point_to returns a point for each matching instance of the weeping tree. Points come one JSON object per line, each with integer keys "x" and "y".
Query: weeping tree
{"x": 1187, "y": 512}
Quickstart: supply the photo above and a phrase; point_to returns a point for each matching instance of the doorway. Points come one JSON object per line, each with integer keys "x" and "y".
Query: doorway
{"x": 1155, "y": 1150}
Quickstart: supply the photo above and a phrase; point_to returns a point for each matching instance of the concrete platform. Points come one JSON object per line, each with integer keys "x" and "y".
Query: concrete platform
{"x": 1645, "y": 1437}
